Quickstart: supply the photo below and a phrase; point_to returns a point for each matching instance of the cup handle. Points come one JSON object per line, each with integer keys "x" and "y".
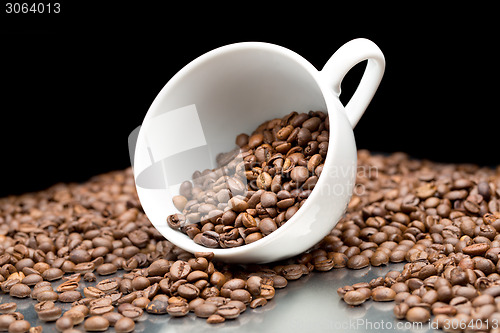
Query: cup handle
{"x": 346, "y": 57}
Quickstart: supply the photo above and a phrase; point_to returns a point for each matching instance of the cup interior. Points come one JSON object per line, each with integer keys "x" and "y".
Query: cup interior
{"x": 202, "y": 109}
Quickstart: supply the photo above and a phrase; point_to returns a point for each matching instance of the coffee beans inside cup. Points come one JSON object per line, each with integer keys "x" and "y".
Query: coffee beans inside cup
{"x": 257, "y": 187}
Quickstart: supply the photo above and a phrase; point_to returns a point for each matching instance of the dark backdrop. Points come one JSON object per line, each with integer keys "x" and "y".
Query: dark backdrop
{"x": 74, "y": 85}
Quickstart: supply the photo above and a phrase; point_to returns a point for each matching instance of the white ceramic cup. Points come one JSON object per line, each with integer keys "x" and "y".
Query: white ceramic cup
{"x": 231, "y": 90}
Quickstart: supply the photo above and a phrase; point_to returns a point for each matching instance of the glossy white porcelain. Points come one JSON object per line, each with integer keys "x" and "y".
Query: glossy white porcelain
{"x": 234, "y": 88}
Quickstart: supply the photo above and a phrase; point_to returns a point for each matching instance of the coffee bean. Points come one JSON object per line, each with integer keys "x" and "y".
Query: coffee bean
{"x": 268, "y": 199}
{"x": 215, "y": 319}
{"x": 255, "y": 140}
{"x": 383, "y": 294}
{"x": 70, "y": 296}
{"x": 476, "y": 249}
{"x": 178, "y": 309}
{"x": 140, "y": 283}
{"x": 52, "y": 274}
{"x": 418, "y": 314}
{"x": 379, "y": 258}
{"x": 188, "y": 291}
{"x": 358, "y": 262}
{"x": 20, "y": 290}
{"x": 157, "y": 307}
{"x": 400, "y": 310}
{"x": 180, "y": 202}
{"x": 205, "y": 310}
{"x": 124, "y": 325}
{"x": 78, "y": 256}
{"x": 64, "y": 323}
{"x": 19, "y": 326}
{"x": 112, "y": 317}
{"x": 180, "y": 270}
{"x": 241, "y": 295}
{"x": 229, "y": 311}
{"x": 107, "y": 286}
{"x": 292, "y": 272}
{"x": 48, "y": 295}
{"x": 32, "y": 279}
{"x": 5, "y": 321}
{"x": 132, "y": 312}
{"x": 100, "y": 306}
{"x": 354, "y": 297}
{"x": 258, "y": 302}
{"x": 96, "y": 324}
{"x": 106, "y": 269}
{"x": 50, "y": 314}
{"x": 8, "y": 307}
{"x": 76, "y": 314}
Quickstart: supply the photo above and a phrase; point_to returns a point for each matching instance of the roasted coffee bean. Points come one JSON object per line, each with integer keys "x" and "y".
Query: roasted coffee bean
{"x": 93, "y": 292}
{"x": 76, "y": 315}
{"x": 188, "y": 291}
{"x": 70, "y": 296}
{"x": 51, "y": 314}
{"x": 96, "y": 324}
{"x": 64, "y": 323}
{"x": 5, "y": 321}
{"x": 228, "y": 311}
{"x": 67, "y": 286}
{"x": 124, "y": 325}
{"x": 383, "y": 294}
{"x": 400, "y": 310}
{"x": 241, "y": 295}
{"x": 8, "y": 307}
{"x": 292, "y": 272}
{"x": 99, "y": 306}
{"x": 180, "y": 270}
{"x": 177, "y": 309}
{"x": 52, "y": 274}
{"x": 257, "y": 302}
{"x": 32, "y": 279}
{"x": 140, "y": 283}
{"x": 48, "y": 295}
{"x": 354, "y": 297}
{"x": 112, "y": 317}
{"x": 418, "y": 314}
{"x": 358, "y": 262}
{"x": 132, "y": 312}
{"x": 141, "y": 302}
{"x": 106, "y": 269}
{"x": 19, "y": 326}
{"x": 215, "y": 319}
{"x": 78, "y": 256}
{"x": 205, "y": 310}
{"x": 89, "y": 277}
{"x": 157, "y": 307}
{"x": 20, "y": 290}
{"x": 107, "y": 286}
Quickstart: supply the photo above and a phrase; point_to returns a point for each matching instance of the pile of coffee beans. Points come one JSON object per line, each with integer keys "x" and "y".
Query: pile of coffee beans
{"x": 442, "y": 220}
{"x": 257, "y": 187}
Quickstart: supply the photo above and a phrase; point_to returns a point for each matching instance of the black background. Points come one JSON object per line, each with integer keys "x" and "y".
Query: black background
{"x": 73, "y": 85}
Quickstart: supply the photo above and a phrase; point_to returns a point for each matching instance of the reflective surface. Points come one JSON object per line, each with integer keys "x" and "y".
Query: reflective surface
{"x": 310, "y": 304}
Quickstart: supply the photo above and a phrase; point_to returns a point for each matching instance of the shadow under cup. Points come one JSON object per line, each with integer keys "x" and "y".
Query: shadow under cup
{"x": 202, "y": 109}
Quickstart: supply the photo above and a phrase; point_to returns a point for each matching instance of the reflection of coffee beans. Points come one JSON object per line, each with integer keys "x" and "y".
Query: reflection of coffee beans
{"x": 257, "y": 188}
